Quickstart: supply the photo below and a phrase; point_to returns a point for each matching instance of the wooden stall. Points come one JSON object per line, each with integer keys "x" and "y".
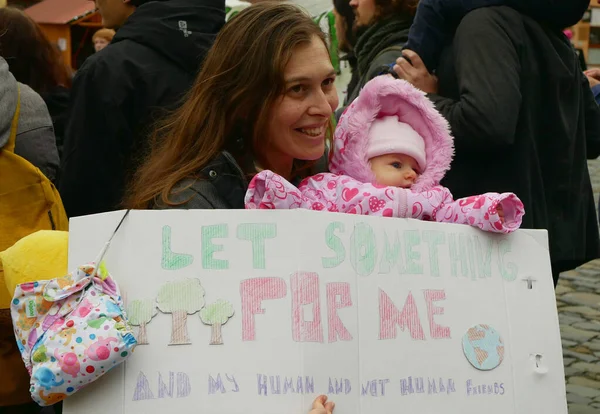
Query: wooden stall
{"x": 70, "y": 25}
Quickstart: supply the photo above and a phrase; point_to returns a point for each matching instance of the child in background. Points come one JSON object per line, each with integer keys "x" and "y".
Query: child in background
{"x": 102, "y": 38}
{"x": 436, "y": 20}
{"x": 391, "y": 150}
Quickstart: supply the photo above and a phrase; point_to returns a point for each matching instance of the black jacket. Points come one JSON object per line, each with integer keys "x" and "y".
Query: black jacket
{"x": 221, "y": 185}
{"x": 524, "y": 120}
{"x": 57, "y": 101}
{"x": 119, "y": 92}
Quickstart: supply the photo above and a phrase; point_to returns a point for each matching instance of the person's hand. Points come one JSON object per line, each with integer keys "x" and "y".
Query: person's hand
{"x": 500, "y": 211}
{"x": 321, "y": 406}
{"x": 593, "y": 76}
{"x": 593, "y": 73}
{"x": 417, "y": 73}
{"x": 593, "y": 81}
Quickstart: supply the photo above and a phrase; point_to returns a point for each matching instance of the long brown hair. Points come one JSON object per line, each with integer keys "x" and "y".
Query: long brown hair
{"x": 31, "y": 58}
{"x": 229, "y": 103}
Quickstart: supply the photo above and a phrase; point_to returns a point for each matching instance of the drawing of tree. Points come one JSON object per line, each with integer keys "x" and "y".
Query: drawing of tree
{"x": 140, "y": 312}
{"x": 181, "y": 298}
{"x": 216, "y": 314}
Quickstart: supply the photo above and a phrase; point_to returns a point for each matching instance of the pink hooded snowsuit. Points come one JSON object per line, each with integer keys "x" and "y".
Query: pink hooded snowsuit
{"x": 351, "y": 186}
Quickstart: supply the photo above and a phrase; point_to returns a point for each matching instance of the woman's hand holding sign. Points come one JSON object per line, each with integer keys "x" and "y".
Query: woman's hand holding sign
{"x": 321, "y": 406}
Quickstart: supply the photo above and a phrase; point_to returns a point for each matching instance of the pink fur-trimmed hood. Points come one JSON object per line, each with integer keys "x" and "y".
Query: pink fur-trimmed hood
{"x": 386, "y": 96}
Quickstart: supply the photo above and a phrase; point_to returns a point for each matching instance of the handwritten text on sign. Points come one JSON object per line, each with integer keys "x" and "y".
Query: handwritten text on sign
{"x": 268, "y": 310}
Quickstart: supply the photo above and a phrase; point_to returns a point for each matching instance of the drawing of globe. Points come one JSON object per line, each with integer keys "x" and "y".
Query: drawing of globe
{"x": 483, "y": 347}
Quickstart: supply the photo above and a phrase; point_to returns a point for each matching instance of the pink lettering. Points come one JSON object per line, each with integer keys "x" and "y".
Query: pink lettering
{"x": 338, "y": 297}
{"x": 305, "y": 291}
{"x": 390, "y": 316}
{"x": 437, "y": 331}
{"x": 253, "y": 292}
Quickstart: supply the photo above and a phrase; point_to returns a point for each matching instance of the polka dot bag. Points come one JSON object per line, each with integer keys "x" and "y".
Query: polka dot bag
{"x": 70, "y": 331}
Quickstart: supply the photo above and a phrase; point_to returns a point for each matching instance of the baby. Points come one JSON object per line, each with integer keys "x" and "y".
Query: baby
{"x": 436, "y": 20}
{"x": 391, "y": 150}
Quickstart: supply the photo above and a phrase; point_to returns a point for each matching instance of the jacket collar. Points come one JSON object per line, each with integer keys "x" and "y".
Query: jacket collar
{"x": 228, "y": 179}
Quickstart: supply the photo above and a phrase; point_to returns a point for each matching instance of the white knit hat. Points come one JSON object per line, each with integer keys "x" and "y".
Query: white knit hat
{"x": 388, "y": 135}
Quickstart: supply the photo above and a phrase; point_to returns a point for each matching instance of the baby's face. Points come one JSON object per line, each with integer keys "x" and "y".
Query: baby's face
{"x": 395, "y": 170}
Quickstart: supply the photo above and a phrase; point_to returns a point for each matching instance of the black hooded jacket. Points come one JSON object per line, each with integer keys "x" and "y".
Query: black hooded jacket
{"x": 120, "y": 92}
{"x": 524, "y": 120}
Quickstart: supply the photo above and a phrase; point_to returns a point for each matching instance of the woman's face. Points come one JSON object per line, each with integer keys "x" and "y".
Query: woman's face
{"x": 299, "y": 119}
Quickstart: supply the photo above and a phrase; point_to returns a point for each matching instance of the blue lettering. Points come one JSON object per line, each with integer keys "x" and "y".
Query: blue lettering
{"x": 341, "y": 386}
{"x": 432, "y": 388}
{"x": 262, "y": 384}
{"x": 382, "y": 384}
{"x": 365, "y": 388}
{"x": 419, "y": 384}
{"x": 299, "y": 386}
{"x": 235, "y": 384}
{"x": 374, "y": 388}
{"x": 469, "y": 389}
{"x": 404, "y": 387}
{"x": 310, "y": 385}
{"x": 441, "y": 386}
{"x": 275, "y": 384}
{"x": 451, "y": 387}
{"x": 288, "y": 385}
{"x": 183, "y": 385}
{"x": 501, "y": 389}
{"x": 215, "y": 385}
{"x": 163, "y": 390}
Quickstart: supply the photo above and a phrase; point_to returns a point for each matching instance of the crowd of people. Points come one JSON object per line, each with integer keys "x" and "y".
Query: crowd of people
{"x": 180, "y": 110}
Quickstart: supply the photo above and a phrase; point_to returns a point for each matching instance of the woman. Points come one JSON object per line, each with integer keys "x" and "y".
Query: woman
{"x": 263, "y": 100}
{"x": 37, "y": 63}
{"x": 344, "y": 29}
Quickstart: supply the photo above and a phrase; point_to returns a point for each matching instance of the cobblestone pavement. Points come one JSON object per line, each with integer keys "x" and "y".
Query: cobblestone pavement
{"x": 578, "y": 299}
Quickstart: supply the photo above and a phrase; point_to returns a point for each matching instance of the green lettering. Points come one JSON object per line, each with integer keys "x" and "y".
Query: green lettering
{"x": 209, "y": 248}
{"x": 471, "y": 256}
{"x": 458, "y": 254}
{"x": 434, "y": 238}
{"x": 257, "y": 233}
{"x": 508, "y": 270}
{"x": 484, "y": 259}
{"x": 363, "y": 249}
{"x": 335, "y": 244}
{"x": 391, "y": 256}
{"x": 171, "y": 260}
{"x": 412, "y": 238}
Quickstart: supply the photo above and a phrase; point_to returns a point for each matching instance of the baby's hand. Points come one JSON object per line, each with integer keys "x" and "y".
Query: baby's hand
{"x": 321, "y": 406}
{"x": 500, "y": 211}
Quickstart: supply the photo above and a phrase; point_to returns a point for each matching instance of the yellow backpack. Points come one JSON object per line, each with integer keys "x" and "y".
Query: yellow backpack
{"x": 28, "y": 201}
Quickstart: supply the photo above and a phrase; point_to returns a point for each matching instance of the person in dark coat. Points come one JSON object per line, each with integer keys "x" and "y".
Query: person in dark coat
{"x": 120, "y": 92}
{"x": 382, "y": 27}
{"x": 37, "y": 63}
{"x": 436, "y": 20}
{"x": 524, "y": 121}
{"x": 346, "y": 37}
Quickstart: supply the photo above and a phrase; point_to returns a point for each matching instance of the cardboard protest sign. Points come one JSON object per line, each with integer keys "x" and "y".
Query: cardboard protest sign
{"x": 259, "y": 312}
